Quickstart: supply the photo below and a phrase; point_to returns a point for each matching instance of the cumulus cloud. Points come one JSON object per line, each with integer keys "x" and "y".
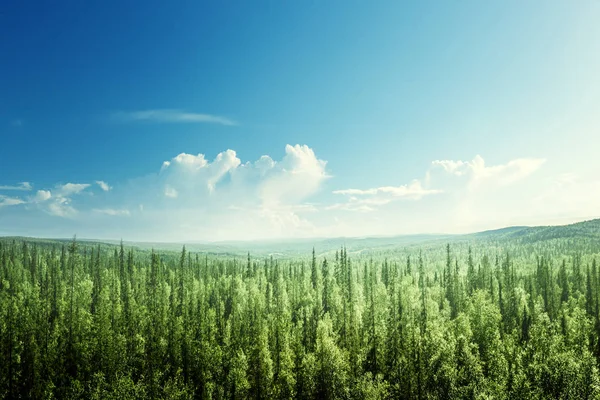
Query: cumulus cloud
{"x": 171, "y": 116}
{"x": 103, "y": 185}
{"x": 251, "y": 198}
{"x": 224, "y": 162}
{"x": 264, "y": 164}
{"x": 25, "y": 186}
{"x": 188, "y": 160}
{"x": 42, "y": 195}
{"x": 186, "y": 172}
{"x": 298, "y": 175}
{"x": 192, "y": 169}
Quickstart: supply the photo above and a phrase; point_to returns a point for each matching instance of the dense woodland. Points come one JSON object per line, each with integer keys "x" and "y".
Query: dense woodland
{"x": 471, "y": 319}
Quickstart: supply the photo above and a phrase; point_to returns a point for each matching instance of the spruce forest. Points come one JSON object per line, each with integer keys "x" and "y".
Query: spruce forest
{"x": 509, "y": 314}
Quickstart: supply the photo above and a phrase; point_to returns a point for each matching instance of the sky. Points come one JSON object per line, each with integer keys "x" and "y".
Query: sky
{"x": 238, "y": 120}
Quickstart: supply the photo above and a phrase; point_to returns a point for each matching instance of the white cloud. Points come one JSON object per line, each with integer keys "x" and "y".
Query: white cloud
{"x": 195, "y": 169}
{"x": 264, "y": 164}
{"x": 385, "y": 194}
{"x": 61, "y": 207}
{"x": 172, "y": 116}
{"x": 365, "y": 200}
{"x": 457, "y": 167}
{"x": 10, "y": 201}
{"x": 59, "y": 202}
{"x": 467, "y": 194}
{"x": 42, "y": 195}
{"x": 111, "y": 211}
{"x": 72, "y": 188}
{"x": 477, "y": 172}
{"x": 170, "y": 192}
{"x": 479, "y": 193}
{"x": 223, "y": 163}
{"x": 103, "y": 185}
{"x": 188, "y": 160}
{"x": 25, "y": 186}
{"x": 211, "y": 193}
{"x": 195, "y": 197}
{"x": 513, "y": 171}
{"x": 298, "y": 175}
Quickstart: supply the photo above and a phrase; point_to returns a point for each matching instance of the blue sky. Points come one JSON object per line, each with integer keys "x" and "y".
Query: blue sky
{"x": 364, "y": 109}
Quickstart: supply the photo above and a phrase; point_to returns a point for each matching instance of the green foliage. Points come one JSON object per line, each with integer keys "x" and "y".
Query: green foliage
{"x": 511, "y": 314}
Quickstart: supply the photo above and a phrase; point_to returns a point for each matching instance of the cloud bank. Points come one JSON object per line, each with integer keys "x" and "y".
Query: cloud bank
{"x": 194, "y": 197}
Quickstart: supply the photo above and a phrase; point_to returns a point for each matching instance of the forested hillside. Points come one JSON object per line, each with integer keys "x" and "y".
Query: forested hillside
{"x": 587, "y": 232}
{"x": 500, "y": 315}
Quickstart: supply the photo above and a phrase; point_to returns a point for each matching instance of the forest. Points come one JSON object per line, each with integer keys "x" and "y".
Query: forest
{"x": 510, "y": 315}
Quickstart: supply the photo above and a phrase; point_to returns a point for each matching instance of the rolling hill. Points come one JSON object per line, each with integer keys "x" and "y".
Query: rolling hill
{"x": 587, "y": 230}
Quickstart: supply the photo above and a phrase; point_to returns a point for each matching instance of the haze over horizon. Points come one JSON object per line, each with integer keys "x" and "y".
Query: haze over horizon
{"x": 218, "y": 122}
{"x": 297, "y": 240}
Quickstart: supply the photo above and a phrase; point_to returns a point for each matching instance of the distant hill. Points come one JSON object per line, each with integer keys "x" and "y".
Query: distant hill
{"x": 587, "y": 230}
